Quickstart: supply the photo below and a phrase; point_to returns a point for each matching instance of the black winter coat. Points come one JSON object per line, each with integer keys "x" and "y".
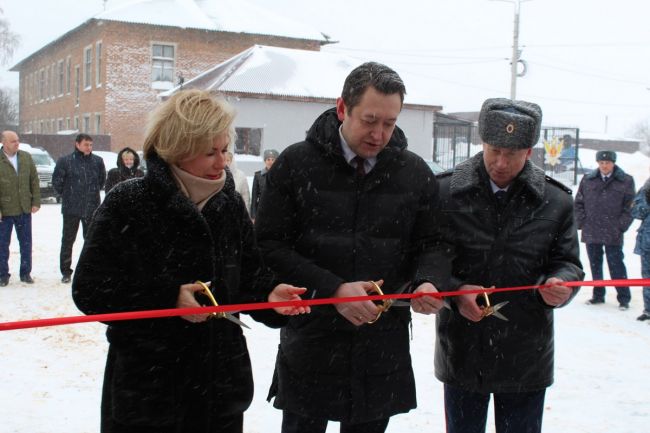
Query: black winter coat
{"x": 146, "y": 240}
{"x": 259, "y": 183}
{"x": 78, "y": 179}
{"x": 122, "y": 172}
{"x": 319, "y": 225}
{"x": 604, "y": 209}
{"x": 532, "y": 239}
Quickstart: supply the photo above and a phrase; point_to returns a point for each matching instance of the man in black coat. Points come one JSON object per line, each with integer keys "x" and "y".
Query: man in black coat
{"x": 346, "y": 206}
{"x": 603, "y": 209}
{"x": 78, "y": 178}
{"x": 504, "y": 224}
{"x": 259, "y": 180}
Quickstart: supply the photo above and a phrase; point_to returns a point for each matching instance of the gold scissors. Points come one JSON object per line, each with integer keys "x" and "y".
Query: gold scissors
{"x": 387, "y": 303}
{"x": 229, "y": 316}
{"x": 493, "y": 310}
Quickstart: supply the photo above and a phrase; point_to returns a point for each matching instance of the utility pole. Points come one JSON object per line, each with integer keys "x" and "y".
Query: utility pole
{"x": 516, "y": 52}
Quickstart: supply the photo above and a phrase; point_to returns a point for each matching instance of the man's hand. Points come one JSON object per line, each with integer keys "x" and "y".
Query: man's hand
{"x": 186, "y": 299}
{"x": 287, "y": 292}
{"x": 556, "y": 294}
{"x": 35, "y": 209}
{"x": 360, "y": 312}
{"x": 467, "y": 305}
{"x": 426, "y": 304}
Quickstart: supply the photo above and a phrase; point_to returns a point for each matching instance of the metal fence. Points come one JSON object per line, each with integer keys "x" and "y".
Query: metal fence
{"x": 557, "y": 151}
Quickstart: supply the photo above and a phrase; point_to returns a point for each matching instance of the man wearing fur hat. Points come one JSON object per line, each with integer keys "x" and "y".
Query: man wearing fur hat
{"x": 603, "y": 209}
{"x": 505, "y": 224}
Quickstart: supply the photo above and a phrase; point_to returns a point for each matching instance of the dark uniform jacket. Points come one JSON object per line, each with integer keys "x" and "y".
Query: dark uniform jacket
{"x": 259, "y": 184}
{"x": 122, "y": 172}
{"x": 147, "y": 239}
{"x": 604, "y": 209}
{"x": 529, "y": 240}
{"x": 78, "y": 179}
{"x": 319, "y": 225}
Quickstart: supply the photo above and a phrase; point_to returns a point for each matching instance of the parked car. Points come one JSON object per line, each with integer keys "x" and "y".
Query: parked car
{"x": 110, "y": 158}
{"x": 44, "y": 167}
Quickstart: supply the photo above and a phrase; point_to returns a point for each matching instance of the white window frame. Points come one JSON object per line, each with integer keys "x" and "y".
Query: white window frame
{"x": 86, "y": 123}
{"x": 61, "y": 77}
{"x": 163, "y": 84}
{"x": 69, "y": 75}
{"x": 98, "y": 123}
{"x": 98, "y": 63}
{"x": 88, "y": 68}
{"x": 77, "y": 85}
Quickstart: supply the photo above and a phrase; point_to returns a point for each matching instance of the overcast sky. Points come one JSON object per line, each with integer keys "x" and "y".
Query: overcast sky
{"x": 588, "y": 60}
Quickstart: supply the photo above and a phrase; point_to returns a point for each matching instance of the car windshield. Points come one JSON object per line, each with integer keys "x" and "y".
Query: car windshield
{"x": 42, "y": 159}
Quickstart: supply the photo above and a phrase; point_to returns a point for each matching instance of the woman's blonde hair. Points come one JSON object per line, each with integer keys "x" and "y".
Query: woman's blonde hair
{"x": 186, "y": 124}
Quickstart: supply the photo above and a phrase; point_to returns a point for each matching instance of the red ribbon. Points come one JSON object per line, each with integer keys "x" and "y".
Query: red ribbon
{"x": 152, "y": 314}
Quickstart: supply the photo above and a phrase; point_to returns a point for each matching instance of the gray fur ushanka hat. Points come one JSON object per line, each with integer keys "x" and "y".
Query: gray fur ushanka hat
{"x": 511, "y": 124}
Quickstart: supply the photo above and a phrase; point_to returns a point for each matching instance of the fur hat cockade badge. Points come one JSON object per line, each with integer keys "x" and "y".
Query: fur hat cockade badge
{"x": 507, "y": 123}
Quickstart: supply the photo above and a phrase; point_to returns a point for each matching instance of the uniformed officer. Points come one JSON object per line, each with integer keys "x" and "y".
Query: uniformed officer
{"x": 504, "y": 224}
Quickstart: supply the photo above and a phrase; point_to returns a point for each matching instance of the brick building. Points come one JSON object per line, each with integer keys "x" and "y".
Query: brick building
{"x": 103, "y": 77}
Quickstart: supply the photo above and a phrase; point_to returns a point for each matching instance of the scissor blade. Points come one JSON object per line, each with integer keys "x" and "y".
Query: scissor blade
{"x": 234, "y": 319}
{"x": 496, "y": 308}
{"x": 400, "y": 303}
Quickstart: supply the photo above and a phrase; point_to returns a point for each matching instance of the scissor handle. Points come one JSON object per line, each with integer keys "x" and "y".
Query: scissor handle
{"x": 487, "y": 299}
{"x": 206, "y": 291}
{"x": 385, "y": 305}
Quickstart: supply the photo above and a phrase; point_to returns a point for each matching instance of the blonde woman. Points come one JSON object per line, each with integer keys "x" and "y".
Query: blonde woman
{"x": 152, "y": 239}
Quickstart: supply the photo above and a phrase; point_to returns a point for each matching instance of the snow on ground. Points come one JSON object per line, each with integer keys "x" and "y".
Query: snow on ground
{"x": 51, "y": 377}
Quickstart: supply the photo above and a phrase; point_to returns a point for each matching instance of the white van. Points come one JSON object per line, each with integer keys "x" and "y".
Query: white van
{"x": 44, "y": 167}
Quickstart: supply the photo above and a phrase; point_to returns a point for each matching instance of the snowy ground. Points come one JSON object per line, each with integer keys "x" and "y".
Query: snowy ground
{"x": 51, "y": 377}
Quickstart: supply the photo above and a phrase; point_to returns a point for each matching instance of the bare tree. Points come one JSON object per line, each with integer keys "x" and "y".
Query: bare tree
{"x": 8, "y": 107}
{"x": 8, "y": 41}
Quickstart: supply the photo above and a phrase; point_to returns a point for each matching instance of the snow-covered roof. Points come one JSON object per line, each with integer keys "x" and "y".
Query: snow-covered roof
{"x": 286, "y": 72}
{"x": 236, "y": 16}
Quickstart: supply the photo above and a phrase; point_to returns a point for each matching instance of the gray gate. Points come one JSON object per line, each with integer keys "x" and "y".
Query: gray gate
{"x": 557, "y": 153}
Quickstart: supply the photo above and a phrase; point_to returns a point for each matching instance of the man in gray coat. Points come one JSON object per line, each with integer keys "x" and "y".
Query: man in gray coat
{"x": 603, "y": 210}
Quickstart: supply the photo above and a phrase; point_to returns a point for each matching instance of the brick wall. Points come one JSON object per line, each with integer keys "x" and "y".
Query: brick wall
{"x": 124, "y": 96}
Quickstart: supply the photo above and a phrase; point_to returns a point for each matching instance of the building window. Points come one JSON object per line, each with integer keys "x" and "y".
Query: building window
{"x": 59, "y": 125}
{"x": 67, "y": 123}
{"x": 98, "y": 123}
{"x": 46, "y": 94}
{"x": 41, "y": 86}
{"x": 77, "y": 85}
{"x": 249, "y": 141}
{"x": 68, "y": 75}
{"x": 61, "y": 77}
{"x": 162, "y": 62}
{"x": 86, "y": 125}
{"x": 76, "y": 123}
{"x": 88, "y": 67}
{"x": 54, "y": 78}
{"x": 98, "y": 64}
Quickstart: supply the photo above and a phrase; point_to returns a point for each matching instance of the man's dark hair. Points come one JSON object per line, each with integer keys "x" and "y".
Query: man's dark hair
{"x": 371, "y": 74}
{"x": 82, "y": 137}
